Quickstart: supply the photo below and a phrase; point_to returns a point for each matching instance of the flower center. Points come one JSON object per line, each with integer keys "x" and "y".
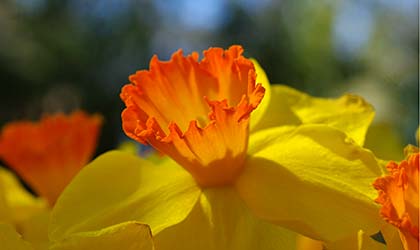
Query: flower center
{"x": 197, "y": 112}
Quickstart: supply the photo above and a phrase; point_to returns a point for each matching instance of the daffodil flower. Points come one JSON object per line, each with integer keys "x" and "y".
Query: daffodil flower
{"x": 240, "y": 175}
{"x": 399, "y": 197}
{"x": 46, "y": 154}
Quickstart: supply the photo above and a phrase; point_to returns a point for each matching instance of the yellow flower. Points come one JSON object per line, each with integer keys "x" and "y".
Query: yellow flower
{"x": 47, "y": 154}
{"x": 300, "y": 169}
{"x": 399, "y": 197}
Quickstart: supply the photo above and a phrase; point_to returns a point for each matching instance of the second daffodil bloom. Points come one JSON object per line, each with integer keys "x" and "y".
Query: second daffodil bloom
{"x": 49, "y": 153}
{"x": 399, "y": 197}
{"x": 226, "y": 187}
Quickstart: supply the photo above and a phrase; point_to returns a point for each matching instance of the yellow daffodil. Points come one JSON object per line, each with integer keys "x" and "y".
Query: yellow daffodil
{"x": 241, "y": 176}
{"x": 399, "y": 197}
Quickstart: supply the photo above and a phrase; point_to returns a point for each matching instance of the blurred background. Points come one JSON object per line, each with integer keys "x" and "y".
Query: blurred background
{"x": 77, "y": 54}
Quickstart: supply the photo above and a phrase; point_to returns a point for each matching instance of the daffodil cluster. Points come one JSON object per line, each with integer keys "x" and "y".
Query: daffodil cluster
{"x": 244, "y": 164}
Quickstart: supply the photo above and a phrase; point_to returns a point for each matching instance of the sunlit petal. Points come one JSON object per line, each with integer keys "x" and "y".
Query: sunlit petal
{"x": 348, "y": 113}
{"x": 128, "y": 236}
{"x": 261, "y": 110}
{"x": 118, "y": 187}
{"x": 278, "y": 112}
{"x": 313, "y": 179}
{"x": 222, "y": 221}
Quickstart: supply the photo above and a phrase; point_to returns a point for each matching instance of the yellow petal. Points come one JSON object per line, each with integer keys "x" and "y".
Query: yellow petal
{"x": 11, "y": 240}
{"x": 278, "y": 112}
{"x": 19, "y": 208}
{"x": 35, "y": 230}
{"x": 16, "y": 203}
{"x": 392, "y": 237}
{"x": 129, "y": 235}
{"x": 262, "y": 78}
{"x": 306, "y": 243}
{"x": 129, "y": 147}
{"x": 357, "y": 241}
{"x": 221, "y": 221}
{"x": 5, "y": 211}
{"x": 349, "y": 113}
{"x": 313, "y": 180}
{"x": 118, "y": 187}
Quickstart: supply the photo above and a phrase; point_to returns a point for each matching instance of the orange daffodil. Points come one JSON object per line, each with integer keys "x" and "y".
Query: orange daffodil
{"x": 246, "y": 172}
{"x": 399, "y": 197}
